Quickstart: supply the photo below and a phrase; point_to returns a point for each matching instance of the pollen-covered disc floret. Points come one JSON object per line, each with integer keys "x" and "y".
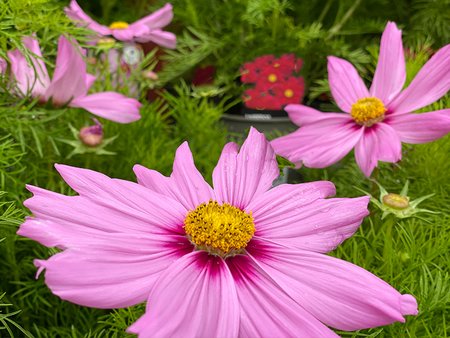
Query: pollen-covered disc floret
{"x": 118, "y": 25}
{"x": 368, "y": 111}
{"x": 289, "y": 93}
{"x": 220, "y": 229}
{"x": 272, "y": 78}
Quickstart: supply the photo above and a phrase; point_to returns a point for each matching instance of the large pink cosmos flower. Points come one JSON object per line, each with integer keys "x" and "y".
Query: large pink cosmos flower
{"x": 240, "y": 259}
{"x": 144, "y": 30}
{"x": 379, "y": 119}
{"x": 70, "y": 82}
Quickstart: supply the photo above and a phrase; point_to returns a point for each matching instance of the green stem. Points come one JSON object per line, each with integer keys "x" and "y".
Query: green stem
{"x": 275, "y": 19}
{"x": 325, "y": 10}
{"x": 387, "y": 248}
{"x": 374, "y": 187}
{"x": 337, "y": 27}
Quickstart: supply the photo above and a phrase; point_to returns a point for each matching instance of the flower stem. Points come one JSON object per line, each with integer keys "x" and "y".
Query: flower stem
{"x": 387, "y": 248}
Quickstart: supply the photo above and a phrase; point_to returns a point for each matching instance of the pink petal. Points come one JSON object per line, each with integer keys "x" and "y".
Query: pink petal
{"x": 101, "y": 188}
{"x": 191, "y": 186}
{"x": 161, "y": 38}
{"x": 390, "y": 74}
{"x": 223, "y": 174}
{"x": 3, "y": 66}
{"x": 155, "y": 181}
{"x": 430, "y": 84}
{"x": 69, "y": 78}
{"x": 320, "y": 144}
{"x": 110, "y": 105}
{"x": 43, "y": 80}
{"x": 25, "y": 74}
{"x": 55, "y": 234}
{"x": 421, "y": 128}
{"x": 159, "y": 19}
{"x": 338, "y": 293}
{"x": 299, "y": 216}
{"x": 75, "y": 12}
{"x": 124, "y": 34}
{"x": 186, "y": 185}
{"x": 302, "y": 115}
{"x": 346, "y": 85}
{"x": 240, "y": 177}
{"x": 267, "y": 311}
{"x": 111, "y": 270}
{"x": 107, "y": 205}
{"x": 90, "y": 79}
{"x": 194, "y": 297}
{"x": 378, "y": 143}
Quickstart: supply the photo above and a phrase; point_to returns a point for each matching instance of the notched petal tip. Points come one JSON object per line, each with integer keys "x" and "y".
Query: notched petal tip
{"x": 41, "y": 265}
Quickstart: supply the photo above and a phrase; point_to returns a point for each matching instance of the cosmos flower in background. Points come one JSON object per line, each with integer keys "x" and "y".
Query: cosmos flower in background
{"x": 3, "y": 66}
{"x": 375, "y": 121}
{"x": 144, "y": 30}
{"x": 70, "y": 82}
{"x": 236, "y": 259}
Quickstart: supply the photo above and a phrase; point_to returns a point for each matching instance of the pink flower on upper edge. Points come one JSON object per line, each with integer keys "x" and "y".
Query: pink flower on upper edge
{"x": 144, "y": 30}
{"x": 240, "y": 259}
{"x": 379, "y": 119}
{"x": 70, "y": 82}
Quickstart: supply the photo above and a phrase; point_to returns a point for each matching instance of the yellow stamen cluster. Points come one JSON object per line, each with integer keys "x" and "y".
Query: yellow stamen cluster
{"x": 221, "y": 230}
{"x": 289, "y": 93}
{"x": 396, "y": 201}
{"x": 368, "y": 111}
{"x": 118, "y": 25}
{"x": 272, "y": 78}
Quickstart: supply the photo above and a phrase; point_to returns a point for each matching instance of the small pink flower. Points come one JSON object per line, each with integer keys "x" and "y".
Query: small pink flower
{"x": 240, "y": 259}
{"x": 144, "y": 30}
{"x": 70, "y": 82}
{"x": 378, "y": 119}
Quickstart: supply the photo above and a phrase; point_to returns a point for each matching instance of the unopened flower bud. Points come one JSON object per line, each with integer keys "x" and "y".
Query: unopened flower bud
{"x": 106, "y": 42}
{"x": 92, "y": 136}
{"x": 404, "y": 256}
{"x": 148, "y": 74}
{"x": 399, "y": 205}
{"x": 396, "y": 201}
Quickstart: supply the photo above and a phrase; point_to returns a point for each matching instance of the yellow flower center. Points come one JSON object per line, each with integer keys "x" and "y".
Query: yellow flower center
{"x": 276, "y": 65}
{"x": 272, "y": 78}
{"x": 396, "y": 201}
{"x": 368, "y": 111}
{"x": 221, "y": 230}
{"x": 288, "y": 93}
{"x": 118, "y": 25}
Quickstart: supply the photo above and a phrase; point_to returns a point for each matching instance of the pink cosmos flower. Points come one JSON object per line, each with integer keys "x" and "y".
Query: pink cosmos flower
{"x": 379, "y": 119}
{"x": 240, "y": 259}
{"x": 3, "y": 66}
{"x": 144, "y": 30}
{"x": 70, "y": 82}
